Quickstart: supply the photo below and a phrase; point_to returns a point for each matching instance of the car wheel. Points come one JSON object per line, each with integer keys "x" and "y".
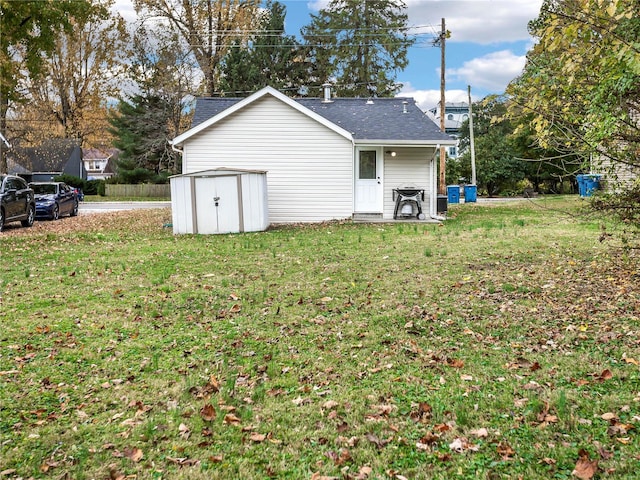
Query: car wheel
{"x": 1, "y": 219}
{"x": 56, "y": 212}
{"x": 74, "y": 210}
{"x": 31, "y": 215}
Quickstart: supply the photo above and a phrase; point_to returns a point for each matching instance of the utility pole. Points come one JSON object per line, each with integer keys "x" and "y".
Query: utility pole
{"x": 471, "y": 144}
{"x": 443, "y": 153}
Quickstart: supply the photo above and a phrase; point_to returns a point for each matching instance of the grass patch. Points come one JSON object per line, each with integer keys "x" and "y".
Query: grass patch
{"x": 501, "y": 344}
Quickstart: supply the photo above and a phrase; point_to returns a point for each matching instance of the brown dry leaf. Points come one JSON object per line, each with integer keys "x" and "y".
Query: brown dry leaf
{"x": 208, "y": 413}
{"x": 231, "y": 419}
{"x": 330, "y": 404}
{"x": 480, "y": 433}
{"x": 461, "y": 444}
{"x": 116, "y": 475}
{"x": 184, "y": 430}
{"x": 505, "y": 450}
{"x": 319, "y": 476}
{"x": 632, "y": 361}
{"x": 377, "y": 441}
{"x": 134, "y": 454}
{"x": 184, "y": 462}
{"x": 605, "y": 375}
{"x": 235, "y": 308}
{"x": 214, "y": 384}
{"x": 455, "y": 363}
{"x": 585, "y": 468}
{"x": 363, "y": 473}
{"x": 257, "y": 437}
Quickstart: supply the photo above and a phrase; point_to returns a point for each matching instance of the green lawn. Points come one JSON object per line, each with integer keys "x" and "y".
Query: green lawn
{"x": 504, "y": 343}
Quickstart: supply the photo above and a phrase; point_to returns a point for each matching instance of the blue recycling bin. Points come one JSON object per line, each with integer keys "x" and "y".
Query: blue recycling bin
{"x": 453, "y": 193}
{"x": 581, "y": 185}
{"x": 470, "y": 193}
{"x": 587, "y": 184}
{"x": 592, "y": 183}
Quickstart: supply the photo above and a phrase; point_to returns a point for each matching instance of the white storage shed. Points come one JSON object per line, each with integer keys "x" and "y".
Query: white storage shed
{"x": 220, "y": 200}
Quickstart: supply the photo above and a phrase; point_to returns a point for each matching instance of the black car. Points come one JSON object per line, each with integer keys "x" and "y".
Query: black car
{"x": 17, "y": 202}
{"x": 54, "y": 199}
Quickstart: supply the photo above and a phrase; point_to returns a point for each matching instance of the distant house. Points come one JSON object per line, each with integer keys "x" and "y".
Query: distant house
{"x": 100, "y": 163}
{"x": 456, "y": 113}
{"x": 325, "y": 158}
{"x": 54, "y": 157}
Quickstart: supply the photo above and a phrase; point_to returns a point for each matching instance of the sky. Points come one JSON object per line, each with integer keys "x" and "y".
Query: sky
{"x": 486, "y": 50}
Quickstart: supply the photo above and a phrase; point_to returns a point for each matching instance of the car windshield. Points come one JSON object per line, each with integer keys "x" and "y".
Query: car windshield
{"x": 44, "y": 189}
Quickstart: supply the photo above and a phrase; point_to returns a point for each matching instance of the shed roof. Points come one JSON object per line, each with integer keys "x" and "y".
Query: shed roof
{"x": 391, "y": 120}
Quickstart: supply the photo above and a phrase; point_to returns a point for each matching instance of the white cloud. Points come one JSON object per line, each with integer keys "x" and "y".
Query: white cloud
{"x": 125, "y": 8}
{"x": 478, "y": 21}
{"x": 492, "y": 72}
{"x": 427, "y": 99}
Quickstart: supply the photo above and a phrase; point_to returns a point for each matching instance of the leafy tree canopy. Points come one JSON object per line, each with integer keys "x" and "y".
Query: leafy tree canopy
{"x": 268, "y": 58}
{"x": 362, "y": 45}
{"x": 580, "y": 89}
{"x": 208, "y": 28}
{"x": 140, "y": 129}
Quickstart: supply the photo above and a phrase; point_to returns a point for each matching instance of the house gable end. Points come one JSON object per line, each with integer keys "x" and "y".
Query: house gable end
{"x": 246, "y": 102}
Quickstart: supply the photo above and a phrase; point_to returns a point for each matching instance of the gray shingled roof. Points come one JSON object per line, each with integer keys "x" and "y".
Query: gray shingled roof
{"x": 376, "y": 119}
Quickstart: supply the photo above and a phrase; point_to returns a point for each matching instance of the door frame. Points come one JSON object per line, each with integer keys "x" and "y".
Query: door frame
{"x": 379, "y": 207}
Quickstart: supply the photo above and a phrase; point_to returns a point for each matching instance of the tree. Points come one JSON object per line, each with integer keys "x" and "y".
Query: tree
{"x": 580, "y": 89}
{"x": 208, "y": 27}
{"x": 161, "y": 68}
{"x": 141, "y": 132}
{"x": 268, "y": 58}
{"x": 28, "y": 29}
{"x": 78, "y": 76}
{"x": 363, "y": 45}
{"x": 497, "y": 161}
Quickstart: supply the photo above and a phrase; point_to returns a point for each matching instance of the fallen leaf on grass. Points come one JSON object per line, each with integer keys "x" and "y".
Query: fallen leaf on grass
{"x": 208, "y": 413}
{"x": 480, "y": 433}
{"x": 231, "y": 419}
{"x": 184, "y": 462}
{"x": 257, "y": 437}
{"x": 134, "y": 454}
{"x": 363, "y": 473}
{"x": 377, "y": 441}
{"x": 505, "y": 450}
{"x": 460, "y": 445}
{"x": 319, "y": 476}
{"x": 339, "y": 458}
{"x": 184, "y": 430}
{"x": 585, "y": 467}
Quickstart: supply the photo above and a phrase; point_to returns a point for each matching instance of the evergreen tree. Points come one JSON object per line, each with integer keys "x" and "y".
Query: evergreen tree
{"x": 141, "y": 132}
{"x": 362, "y": 45}
{"x": 269, "y": 58}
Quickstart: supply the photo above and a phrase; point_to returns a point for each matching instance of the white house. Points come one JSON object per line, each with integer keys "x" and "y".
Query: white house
{"x": 325, "y": 158}
{"x": 456, "y": 113}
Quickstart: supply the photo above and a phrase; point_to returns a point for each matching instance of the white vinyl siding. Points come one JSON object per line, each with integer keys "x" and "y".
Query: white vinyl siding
{"x": 309, "y": 167}
{"x": 410, "y": 167}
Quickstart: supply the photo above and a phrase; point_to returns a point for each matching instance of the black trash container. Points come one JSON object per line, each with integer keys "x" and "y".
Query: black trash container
{"x": 442, "y": 204}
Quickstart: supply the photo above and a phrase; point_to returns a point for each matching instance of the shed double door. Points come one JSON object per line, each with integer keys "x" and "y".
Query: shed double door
{"x": 217, "y": 204}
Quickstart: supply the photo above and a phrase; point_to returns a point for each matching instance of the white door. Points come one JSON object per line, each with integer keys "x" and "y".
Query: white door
{"x": 217, "y": 205}
{"x": 368, "y": 186}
